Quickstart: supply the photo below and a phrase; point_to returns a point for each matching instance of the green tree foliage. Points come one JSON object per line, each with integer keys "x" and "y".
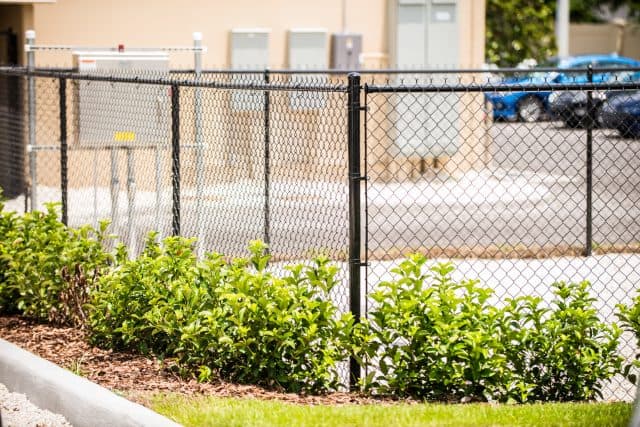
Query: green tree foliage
{"x": 586, "y": 10}
{"x": 519, "y": 29}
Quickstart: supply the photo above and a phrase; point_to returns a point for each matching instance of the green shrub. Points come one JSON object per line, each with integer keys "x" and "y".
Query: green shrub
{"x": 8, "y": 296}
{"x": 136, "y": 301}
{"x": 629, "y": 316}
{"x": 433, "y": 338}
{"x": 37, "y": 248}
{"x": 233, "y": 319}
{"x": 563, "y": 353}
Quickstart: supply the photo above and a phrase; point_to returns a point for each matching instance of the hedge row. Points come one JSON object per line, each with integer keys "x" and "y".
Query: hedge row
{"x": 426, "y": 336}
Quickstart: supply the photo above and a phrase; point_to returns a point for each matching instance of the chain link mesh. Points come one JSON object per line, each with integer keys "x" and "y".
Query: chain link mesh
{"x": 259, "y": 156}
{"x": 457, "y": 169}
{"x": 506, "y": 200}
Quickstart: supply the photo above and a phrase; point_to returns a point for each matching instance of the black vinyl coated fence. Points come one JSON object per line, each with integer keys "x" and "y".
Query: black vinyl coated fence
{"x": 519, "y": 179}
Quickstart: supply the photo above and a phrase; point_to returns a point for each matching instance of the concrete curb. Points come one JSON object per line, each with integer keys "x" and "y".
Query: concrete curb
{"x": 83, "y": 403}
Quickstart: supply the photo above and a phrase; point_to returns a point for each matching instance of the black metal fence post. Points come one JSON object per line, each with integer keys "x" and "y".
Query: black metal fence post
{"x": 267, "y": 159}
{"x": 590, "y": 123}
{"x": 355, "y": 262}
{"x": 64, "y": 172}
{"x": 175, "y": 158}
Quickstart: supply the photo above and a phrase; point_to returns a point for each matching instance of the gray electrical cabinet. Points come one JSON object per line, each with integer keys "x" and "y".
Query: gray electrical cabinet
{"x": 121, "y": 114}
{"x": 308, "y": 50}
{"x": 425, "y": 35}
{"x": 345, "y": 51}
{"x": 249, "y": 51}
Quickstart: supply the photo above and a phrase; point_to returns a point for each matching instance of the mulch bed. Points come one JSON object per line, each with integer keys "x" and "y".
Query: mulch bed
{"x": 135, "y": 376}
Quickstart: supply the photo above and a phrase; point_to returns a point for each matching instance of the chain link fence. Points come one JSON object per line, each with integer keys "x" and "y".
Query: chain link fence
{"x": 520, "y": 182}
{"x": 517, "y": 181}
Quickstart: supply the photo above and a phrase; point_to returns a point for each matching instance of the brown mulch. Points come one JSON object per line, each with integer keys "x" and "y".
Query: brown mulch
{"x": 135, "y": 376}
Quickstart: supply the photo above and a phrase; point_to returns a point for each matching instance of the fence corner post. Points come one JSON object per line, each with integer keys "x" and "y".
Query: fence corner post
{"x": 267, "y": 160}
{"x": 64, "y": 171}
{"x": 175, "y": 159}
{"x": 590, "y": 117}
{"x": 355, "y": 214}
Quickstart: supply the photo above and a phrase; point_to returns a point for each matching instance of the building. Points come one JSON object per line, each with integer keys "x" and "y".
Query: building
{"x": 382, "y": 23}
{"x": 414, "y": 34}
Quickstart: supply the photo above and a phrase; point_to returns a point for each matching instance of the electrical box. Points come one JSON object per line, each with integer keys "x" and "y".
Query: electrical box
{"x": 308, "y": 50}
{"x": 122, "y": 114}
{"x": 425, "y": 34}
{"x": 249, "y": 51}
{"x": 345, "y": 51}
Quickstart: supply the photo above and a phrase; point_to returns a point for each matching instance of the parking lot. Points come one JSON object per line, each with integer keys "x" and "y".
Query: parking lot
{"x": 532, "y": 192}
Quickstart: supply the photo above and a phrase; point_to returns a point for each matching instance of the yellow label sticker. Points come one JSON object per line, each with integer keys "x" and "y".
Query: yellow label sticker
{"x": 124, "y": 136}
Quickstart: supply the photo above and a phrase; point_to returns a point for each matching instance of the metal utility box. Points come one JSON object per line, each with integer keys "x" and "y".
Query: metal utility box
{"x": 308, "y": 49}
{"x": 249, "y": 51}
{"x": 345, "y": 51}
{"x": 425, "y": 35}
{"x": 249, "y": 48}
{"x": 122, "y": 114}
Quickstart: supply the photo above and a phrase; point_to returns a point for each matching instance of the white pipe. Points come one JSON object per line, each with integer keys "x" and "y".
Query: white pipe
{"x": 197, "y": 60}
{"x": 30, "y": 37}
{"x": 562, "y": 27}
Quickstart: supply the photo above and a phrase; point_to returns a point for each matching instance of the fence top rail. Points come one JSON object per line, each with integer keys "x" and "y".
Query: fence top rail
{"x": 148, "y": 78}
{"x": 500, "y": 87}
{"x": 368, "y": 72}
{"x": 292, "y": 86}
{"x": 387, "y": 71}
{"x": 393, "y": 71}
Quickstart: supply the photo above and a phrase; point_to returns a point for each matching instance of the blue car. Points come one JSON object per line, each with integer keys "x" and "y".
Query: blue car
{"x": 622, "y": 112}
{"x": 532, "y": 106}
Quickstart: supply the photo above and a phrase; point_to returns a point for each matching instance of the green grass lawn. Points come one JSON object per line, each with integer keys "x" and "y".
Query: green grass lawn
{"x": 212, "y": 411}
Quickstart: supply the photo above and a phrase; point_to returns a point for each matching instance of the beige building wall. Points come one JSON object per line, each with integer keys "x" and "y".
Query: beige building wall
{"x": 631, "y": 41}
{"x": 171, "y": 23}
{"x": 151, "y": 23}
{"x": 145, "y": 23}
{"x": 474, "y": 129}
{"x": 605, "y": 38}
{"x": 472, "y": 33}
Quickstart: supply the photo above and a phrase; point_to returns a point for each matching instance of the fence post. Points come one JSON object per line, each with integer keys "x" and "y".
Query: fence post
{"x": 64, "y": 172}
{"x": 175, "y": 158}
{"x": 30, "y": 37}
{"x": 355, "y": 177}
{"x": 267, "y": 160}
{"x": 590, "y": 123}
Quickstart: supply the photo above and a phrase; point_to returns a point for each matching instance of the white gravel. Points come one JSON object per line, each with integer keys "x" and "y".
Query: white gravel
{"x": 17, "y": 411}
